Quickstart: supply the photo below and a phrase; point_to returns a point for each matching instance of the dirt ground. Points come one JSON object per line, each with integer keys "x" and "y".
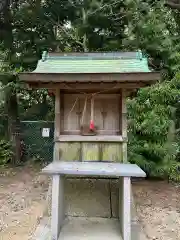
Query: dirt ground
{"x": 22, "y": 199}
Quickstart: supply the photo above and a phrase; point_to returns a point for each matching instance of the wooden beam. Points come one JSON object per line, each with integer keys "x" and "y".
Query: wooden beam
{"x": 124, "y": 122}
{"x": 74, "y": 87}
{"x": 90, "y": 77}
{"x": 57, "y": 114}
{"x": 98, "y": 138}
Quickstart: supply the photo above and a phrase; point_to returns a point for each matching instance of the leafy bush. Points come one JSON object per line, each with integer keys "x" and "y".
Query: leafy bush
{"x": 5, "y": 152}
{"x": 153, "y": 143}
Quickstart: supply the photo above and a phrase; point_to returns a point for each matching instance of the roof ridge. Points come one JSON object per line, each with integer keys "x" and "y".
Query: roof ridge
{"x": 93, "y": 55}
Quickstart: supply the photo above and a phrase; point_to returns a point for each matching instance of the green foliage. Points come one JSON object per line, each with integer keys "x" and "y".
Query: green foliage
{"x": 30, "y": 27}
{"x": 5, "y": 152}
{"x": 153, "y": 142}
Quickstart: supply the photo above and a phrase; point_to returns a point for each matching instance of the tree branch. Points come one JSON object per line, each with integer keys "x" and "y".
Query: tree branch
{"x": 172, "y": 4}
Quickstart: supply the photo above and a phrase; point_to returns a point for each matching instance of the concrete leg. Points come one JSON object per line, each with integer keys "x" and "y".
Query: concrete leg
{"x": 125, "y": 207}
{"x": 57, "y": 214}
{"x": 135, "y": 227}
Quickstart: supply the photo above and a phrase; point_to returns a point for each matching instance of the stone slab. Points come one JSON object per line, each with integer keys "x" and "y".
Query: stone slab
{"x": 94, "y": 169}
{"x": 91, "y": 229}
{"x": 72, "y": 225}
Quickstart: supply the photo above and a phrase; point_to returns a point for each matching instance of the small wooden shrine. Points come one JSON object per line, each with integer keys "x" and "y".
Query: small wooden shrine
{"x": 90, "y": 100}
{"x": 90, "y": 92}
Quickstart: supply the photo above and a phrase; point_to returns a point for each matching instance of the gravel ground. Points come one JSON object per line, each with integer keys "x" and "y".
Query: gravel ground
{"x": 22, "y": 201}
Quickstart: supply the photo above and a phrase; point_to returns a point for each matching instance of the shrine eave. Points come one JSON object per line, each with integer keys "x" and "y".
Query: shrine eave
{"x": 146, "y": 77}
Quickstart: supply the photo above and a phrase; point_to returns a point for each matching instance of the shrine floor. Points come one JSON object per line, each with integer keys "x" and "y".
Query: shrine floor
{"x": 81, "y": 228}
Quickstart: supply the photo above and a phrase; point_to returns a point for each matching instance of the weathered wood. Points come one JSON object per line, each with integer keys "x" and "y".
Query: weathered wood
{"x": 61, "y": 112}
{"x": 88, "y": 87}
{"x": 57, "y": 115}
{"x": 120, "y": 113}
{"x": 96, "y": 151}
{"x": 97, "y": 138}
{"x": 70, "y": 151}
{"x": 111, "y": 116}
{"x": 71, "y": 113}
{"x": 90, "y": 151}
{"x": 113, "y": 132}
{"x": 149, "y": 77}
{"x": 106, "y": 115}
{"x": 56, "y": 155}
{"x": 112, "y": 152}
{"x": 123, "y": 108}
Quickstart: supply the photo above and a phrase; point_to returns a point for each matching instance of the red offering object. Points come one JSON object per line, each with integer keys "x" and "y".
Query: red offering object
{"x": 91, "y": 125}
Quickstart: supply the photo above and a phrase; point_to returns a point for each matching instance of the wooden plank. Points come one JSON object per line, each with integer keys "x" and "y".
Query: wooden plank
{"x": 70, "y": 151}
{"x": 62, "y": 112}
{"x": 123, "y": 108}
{"x": 99, "y": 131}
{"x": 96, "y": 95}
{"x": 90, "y": 152}
{"x": 71, "y": 112}
{"x": 149, "y": 77}
{"x": 57, "y": 115}
{"x": 74, "y": 87}
{"x": 124, "y": 114}
{"x": 97, "y": 138}
{"x": 56, "y": 155}
{"x": 112, "y": 152}
{"x": 120, "y": 112}
{"x": 111, "y": 121}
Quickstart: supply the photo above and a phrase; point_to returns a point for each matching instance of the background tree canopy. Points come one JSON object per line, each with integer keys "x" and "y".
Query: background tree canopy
{"x": 29, "y": 27}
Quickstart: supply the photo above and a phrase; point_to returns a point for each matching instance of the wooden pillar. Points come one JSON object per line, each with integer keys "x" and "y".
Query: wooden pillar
{"x": 124, "y": 124}
{"x": 57, "y": 211}
{"x": 125, "y": 207}
{"x": 134, "y": 223}
{"x": 56, "y": 125}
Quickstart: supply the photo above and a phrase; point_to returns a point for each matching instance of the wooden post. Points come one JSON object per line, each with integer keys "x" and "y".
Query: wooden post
{"x": 124, "y": 124}
{"x": 134, "y": 223}
{"x": 57, "y": 123}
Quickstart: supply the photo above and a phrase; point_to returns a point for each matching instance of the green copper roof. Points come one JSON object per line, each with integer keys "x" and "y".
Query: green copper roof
{"x": 115, "y": 62}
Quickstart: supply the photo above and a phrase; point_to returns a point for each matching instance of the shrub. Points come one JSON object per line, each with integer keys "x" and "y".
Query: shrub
{"x": 5, "y": 152}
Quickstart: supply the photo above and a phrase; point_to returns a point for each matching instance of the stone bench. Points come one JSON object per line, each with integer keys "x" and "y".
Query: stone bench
{"x": 124, "y": 172}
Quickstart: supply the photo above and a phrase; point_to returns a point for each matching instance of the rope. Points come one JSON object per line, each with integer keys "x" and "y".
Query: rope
{"x": 92, "y": 94}
{"x": 92, "y": 108}
{"x": 84, "y": 110}
{"x": 85, "y": 102}
{"x": 73, "y": 107}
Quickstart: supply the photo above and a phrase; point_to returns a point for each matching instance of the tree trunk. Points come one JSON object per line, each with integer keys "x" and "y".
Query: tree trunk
{"x": 14, "y": 127}
{"x": 10, "y": 94}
